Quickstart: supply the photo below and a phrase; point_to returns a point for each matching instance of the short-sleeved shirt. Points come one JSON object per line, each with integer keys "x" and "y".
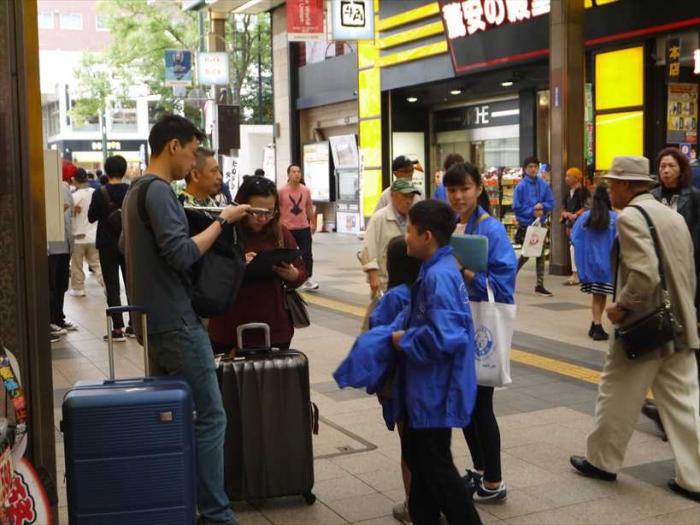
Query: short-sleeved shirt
{"x": 293, "y": 206}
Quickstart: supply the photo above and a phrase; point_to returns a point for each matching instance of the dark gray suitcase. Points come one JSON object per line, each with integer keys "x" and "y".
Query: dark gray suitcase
{"x": 268, "y": 450}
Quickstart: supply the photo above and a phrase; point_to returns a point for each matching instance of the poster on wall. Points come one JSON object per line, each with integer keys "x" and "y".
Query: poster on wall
{"x": 317, "y": 169}
{"x": 588, "y": 123}
{"x": 305, "y": 20}
{"x": 682, "y": 114}
{"x": 353, "y": 19}
{"x": 178, "y": 67}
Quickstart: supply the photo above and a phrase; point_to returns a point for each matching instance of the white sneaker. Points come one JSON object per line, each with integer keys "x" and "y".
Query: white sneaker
{"x": 400, "y": 512}
{"x": 57, "y": 330}
{"x": 310, "y": 285}
{"x": 77, "y": 293}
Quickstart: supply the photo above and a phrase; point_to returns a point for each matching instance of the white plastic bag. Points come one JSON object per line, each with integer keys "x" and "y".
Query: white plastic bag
{"x": 493, "y": 331}
{"x": 533, "y": 245}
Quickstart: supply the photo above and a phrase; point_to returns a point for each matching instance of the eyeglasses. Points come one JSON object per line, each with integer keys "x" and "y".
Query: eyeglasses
{"x": 262, "y": 213}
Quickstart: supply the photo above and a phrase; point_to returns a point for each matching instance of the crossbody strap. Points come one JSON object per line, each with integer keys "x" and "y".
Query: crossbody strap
{"x": 657, "y": 245}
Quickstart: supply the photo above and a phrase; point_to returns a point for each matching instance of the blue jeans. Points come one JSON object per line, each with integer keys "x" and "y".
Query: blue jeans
{"x": 187, "y": 352}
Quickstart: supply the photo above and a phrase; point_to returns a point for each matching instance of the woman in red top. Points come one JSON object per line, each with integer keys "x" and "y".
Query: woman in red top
{"x": 260, "y": 300}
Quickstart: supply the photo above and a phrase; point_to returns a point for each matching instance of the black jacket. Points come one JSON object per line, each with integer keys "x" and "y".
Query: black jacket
{"x": 689, "y": 207}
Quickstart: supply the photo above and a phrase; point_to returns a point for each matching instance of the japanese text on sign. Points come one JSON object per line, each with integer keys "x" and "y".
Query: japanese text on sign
{"x": 472, "y": 16}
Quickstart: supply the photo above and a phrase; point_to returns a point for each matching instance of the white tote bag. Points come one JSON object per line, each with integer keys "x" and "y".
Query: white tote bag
{"x": 493, "y": 331}
{"x": 534, "y": 240}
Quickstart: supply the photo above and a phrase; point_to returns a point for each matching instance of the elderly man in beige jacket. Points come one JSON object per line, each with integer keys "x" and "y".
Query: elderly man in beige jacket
{"x": 387, "y": 223}
{"x": 670, "y": 370}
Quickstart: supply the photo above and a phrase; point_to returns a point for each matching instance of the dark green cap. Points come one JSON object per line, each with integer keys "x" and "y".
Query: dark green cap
{"x": 404, "y": 186}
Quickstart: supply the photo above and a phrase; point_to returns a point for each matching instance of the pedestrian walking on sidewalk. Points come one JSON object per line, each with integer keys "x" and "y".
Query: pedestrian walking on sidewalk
{"x": 675, "y": 190}
{"x": 593, "y": 238}
{"x": 159, "y": 254}
{"x": 652, "y": 238}
{"x": 260, "y": 300}
{"x": 106, "y": 210}
{"x": 401, "y": 168}
{"x": 532, "y": 201}
{"x": 402, "y": 272}
{"x": 434, "y": 341}
{"x": 575, "y": 203}
{"x": 84, "y": 236}
{"x": 464, "y": 187}
{"x": 297, "y": 214}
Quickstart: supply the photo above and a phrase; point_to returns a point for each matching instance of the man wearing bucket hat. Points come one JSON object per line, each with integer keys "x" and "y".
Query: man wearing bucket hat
{"x": 669, "y": 370}
{"x": 402, "y": 167}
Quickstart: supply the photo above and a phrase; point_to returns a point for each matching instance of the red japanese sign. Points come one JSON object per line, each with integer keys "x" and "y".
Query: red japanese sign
{"x": 26, "y": 503}
{"x": 305, "y": 20}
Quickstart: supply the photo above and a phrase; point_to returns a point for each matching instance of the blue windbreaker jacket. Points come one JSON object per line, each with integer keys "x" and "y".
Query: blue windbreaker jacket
{"x": 592, "y": 249}
{"x": 436, "y": 378}
{"x": 369, "y": 362}
{"x": 440, "y": 193}
{"x": 528, "y": 193}
{"x": 390, "y": 306}
{"x": 502, "y": 264}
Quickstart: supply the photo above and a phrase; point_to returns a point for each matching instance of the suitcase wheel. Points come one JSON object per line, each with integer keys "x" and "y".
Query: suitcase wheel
{"x": 310, "y": 498}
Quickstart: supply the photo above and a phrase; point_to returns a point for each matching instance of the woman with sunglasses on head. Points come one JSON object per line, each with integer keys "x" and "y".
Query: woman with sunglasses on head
{"x": 260, "y": 300}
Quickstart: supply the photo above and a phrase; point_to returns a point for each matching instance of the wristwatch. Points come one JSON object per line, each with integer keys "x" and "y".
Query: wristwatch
{"x": 222, "y": 221}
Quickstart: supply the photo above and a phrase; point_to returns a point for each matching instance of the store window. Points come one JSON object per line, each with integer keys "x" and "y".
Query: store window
{"x": 619, "y": 104}
{"x": 101, "y": 23}
{"x": 51, "y": 118}
{"x": 73, "y": 21}
{"x": 124, "y": 116}
{"x": 45, "y": 19}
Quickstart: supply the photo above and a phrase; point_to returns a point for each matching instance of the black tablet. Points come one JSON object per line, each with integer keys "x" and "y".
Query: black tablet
{"x": 261, "y": 266}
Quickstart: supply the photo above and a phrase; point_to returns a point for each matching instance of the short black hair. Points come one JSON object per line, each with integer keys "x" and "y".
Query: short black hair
{"x": 401, "y": 267}
{"x": 259, "y": 172}
{"x": 115, "y": 166}
{"x": 80, "y": 175}
{"x": 458, "y": 173}
{"x": 171, "y": 127}
{"x": 530, "y": 160}
{"x": 452, "y": 158}
{"x": 433, "y": 216}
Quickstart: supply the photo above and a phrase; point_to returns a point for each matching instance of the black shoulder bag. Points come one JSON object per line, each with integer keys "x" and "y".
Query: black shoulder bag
{"x": 659, "y": 327}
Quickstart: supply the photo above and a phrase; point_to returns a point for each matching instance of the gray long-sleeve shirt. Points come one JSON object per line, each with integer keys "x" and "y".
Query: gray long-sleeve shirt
{"x": 158, "y": 258}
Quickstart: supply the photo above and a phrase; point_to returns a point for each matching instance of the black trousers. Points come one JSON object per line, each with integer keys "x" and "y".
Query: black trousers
{"x": 483, "y": 436}
{"x": 111, "y": 260}
{"x": 303, "y": 238}
{"x": 59, "y": 273}
{"x": 435, "y": 483}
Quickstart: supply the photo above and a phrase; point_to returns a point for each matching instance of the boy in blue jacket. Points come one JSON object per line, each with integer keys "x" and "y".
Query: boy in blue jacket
{"x": 436, "y": 376}
{"x": 532, "y": 200}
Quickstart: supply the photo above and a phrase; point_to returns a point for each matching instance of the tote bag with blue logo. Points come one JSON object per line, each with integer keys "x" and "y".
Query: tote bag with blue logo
{"x": 493, "y": 332}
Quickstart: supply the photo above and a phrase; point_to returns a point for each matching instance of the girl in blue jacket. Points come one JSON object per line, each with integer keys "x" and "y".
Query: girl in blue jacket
{"x": 593, "y": 237}
{"x": 464, "y": 186}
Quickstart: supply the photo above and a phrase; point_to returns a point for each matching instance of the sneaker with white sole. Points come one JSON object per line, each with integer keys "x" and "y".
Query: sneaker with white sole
{"x": 483, "y": 494}
{"x": 67, "y": 325}
{"x": 57, "y": 330}
{"x": 117, "y": 336}
{"x": 310, "y": 285}
{"x": 129, "y": 332}
{"x": 472, "y": 479}
{"x": 54, "y": 337}
{"x": 400, "y": 512}
{"x": 77, "y": 293}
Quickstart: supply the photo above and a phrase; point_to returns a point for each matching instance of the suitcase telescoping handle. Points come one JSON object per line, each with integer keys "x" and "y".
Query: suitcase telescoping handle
{"x": 110, "y": 343}
{"x": 240, "y": 330}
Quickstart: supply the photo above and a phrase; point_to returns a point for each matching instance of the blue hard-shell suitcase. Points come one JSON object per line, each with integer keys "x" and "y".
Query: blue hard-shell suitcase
{"x": 130, "y": 449}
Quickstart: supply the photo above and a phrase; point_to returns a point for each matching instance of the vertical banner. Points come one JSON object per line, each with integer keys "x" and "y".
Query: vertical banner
{"x": 232, "y": 175}
{"x": 305, "y": 20}
{"x": 178, "y": 67}
{"x": 682, "y": 114}
{"x": 673, "y": 59}
{"x": 588, "y": 124}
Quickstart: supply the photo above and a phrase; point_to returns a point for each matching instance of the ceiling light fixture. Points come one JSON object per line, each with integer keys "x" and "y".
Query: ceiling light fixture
{"x": 412, "y": 99}
{"x": 456, "y": 92}
{"x": 507, "y": 83}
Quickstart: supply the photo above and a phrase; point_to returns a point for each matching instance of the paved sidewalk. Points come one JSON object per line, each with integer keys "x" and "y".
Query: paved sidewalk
{"x": 544, "y": 416}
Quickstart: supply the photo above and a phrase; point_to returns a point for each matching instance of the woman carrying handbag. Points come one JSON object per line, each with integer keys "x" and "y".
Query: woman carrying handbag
{"x": 493, "y": 292}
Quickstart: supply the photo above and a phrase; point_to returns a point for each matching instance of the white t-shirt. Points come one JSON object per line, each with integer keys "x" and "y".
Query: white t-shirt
{"x": 83, "y": 231}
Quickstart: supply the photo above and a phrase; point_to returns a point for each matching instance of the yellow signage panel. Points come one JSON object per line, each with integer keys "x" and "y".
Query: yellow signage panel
{"x": 619, "y": 78}
{"x": 370, "y": 93}
{"x": 618, "y": 134}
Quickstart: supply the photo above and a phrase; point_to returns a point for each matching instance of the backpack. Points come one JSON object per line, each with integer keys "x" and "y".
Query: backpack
{"x": 214, "y": 280}
{"x": 114, "y": 213}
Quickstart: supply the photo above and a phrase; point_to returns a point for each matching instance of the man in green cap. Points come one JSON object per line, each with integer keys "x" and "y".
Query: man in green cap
{"x": 387, "y": 223}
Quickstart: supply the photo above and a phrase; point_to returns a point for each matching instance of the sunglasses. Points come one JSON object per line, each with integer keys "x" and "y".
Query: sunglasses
{"x": 261, "y": 213}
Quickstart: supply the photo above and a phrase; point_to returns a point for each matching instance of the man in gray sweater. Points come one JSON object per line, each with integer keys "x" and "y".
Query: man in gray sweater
{"x": 159, "y": 252}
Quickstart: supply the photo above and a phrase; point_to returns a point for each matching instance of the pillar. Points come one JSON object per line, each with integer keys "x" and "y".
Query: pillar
{"x": 24, "y": 315}
{"x": 566, "y": 79}
{"x": 281, "y": 94}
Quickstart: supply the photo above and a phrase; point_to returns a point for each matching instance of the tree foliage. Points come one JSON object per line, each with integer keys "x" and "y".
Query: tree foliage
{"x": 141, "y": 32}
